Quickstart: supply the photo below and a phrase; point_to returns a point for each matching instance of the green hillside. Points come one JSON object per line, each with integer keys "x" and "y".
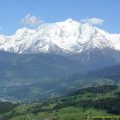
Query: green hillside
{"x": 79, "y": 105}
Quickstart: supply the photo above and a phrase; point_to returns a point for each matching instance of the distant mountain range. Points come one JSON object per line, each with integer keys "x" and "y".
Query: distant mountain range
{"x": 44, "y": 60}
{"x": 41, "y": 76}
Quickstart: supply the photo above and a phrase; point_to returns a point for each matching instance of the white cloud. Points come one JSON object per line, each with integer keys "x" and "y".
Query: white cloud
{"x": 93, "y": 21}
{"x": 31, "y": 20}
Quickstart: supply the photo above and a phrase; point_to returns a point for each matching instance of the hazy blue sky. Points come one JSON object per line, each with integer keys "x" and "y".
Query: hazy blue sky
{"x": 12, "y": 11}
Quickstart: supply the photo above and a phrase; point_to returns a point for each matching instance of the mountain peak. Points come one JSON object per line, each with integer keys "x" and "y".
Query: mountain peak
{"x": 69, "y": 20}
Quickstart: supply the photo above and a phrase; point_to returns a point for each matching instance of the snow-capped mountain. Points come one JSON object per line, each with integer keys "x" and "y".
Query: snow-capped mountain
{"x": 69, "y": 37}
{"x": 66, "y": 48}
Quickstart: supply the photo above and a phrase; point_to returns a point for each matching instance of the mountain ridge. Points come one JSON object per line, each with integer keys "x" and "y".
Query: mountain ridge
{"x": 69, "y": 37}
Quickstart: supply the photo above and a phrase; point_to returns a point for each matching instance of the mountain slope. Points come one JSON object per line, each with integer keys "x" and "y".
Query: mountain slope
{"x": 46, "y": 76}
{"x": 24, "y": 75}
{"x": 102, "y": 76}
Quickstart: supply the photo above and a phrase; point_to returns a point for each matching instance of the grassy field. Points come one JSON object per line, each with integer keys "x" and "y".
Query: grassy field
{"x": 68, "y": 113}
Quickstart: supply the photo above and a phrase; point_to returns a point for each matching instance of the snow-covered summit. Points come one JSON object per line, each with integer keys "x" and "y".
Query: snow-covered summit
{"x": 69, "y": 36}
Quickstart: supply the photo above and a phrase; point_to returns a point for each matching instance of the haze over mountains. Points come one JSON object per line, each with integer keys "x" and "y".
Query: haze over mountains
{"x": 42, "y": 59}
